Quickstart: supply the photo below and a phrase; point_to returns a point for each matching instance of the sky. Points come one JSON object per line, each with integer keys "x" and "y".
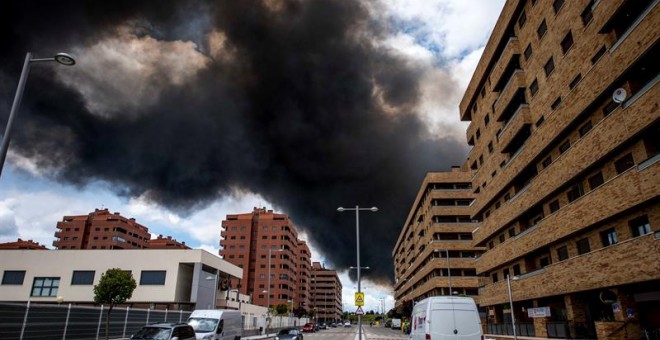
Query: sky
{"x": 179, "y": 113}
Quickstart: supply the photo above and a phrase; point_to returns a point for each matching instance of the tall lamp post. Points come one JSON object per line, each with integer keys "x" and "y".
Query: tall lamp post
{"x": 357, "y": 239}
{"x": 61, "y": 58}
{"x": 513, "y": 317}
{"x": 270, "y": 253}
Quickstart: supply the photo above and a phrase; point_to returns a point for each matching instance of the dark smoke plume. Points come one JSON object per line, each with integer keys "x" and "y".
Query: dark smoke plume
{"x": 301, "y": 105}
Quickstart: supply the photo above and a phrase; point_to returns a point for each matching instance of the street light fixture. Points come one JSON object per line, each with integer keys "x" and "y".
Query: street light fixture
{"x": 61, "y": 58}
{"x": 357, "y": 239}
{"x": 513, "y": 317}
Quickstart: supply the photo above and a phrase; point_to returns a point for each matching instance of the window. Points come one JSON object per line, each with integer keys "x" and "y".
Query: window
{"x": 554, "y": 206}
{"x": 608, "y": 237}
{"x": 478, "y": 134}
{"x": 575, "y": 81}
{"x": 556, "y": 103}
{"x": 598, "y": 55}
{"x": 575, "y": 192}
{"x": 512, "y": 232}
{"x": 583, "y": 246}
{"x": 152, "y": 277}
{"x": 522, "y": 19}
{"x": 567, "y": 42}
{"x": 557, "y": 4}
{"x": 483, "y": 92}
{"x": 516, "y": 270}
{"x": 507, "y": 196}
{"x": 45, "y": 286}
{"x": 544, "y": 261}
{"x": 486, "y": 120}
{"x": 611, "y": 106}
{"x": 540, "y": 121}
{"x": 494, "y": 276}
{"x": 502, "y": 238}
{"x": 585, "y": 128}
{"x": 262, "y": 276}
{"x": 82, "y": 277}
{"x": 565, "y": 146}
{"x": 542, "y": 29}
{"x": 528, "y": 51}
{"x": 596, "y": 180}
{"x": 588, "y": 13}
{"x": 546, "y": 162}
{"x": 13, "y": 277}
{"x": 491, "y": 245}
{"x": 534, "y": 87}
{"x": 490, "y": 147}
{"x": 562, "y": 253}
{"x": 549, "y": 67}
{"x": 624, "y": 163}
{"x": 505, "y": 272}
{"x": 640, "y": 226}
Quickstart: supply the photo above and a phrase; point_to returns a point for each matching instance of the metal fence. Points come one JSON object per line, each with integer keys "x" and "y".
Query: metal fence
{"x": 522, "y": 329}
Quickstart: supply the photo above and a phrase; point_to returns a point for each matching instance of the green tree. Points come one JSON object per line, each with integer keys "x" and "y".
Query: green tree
{"x": 115, "y": 287}
{"x": 282, "y": 309}
{"x": 300, "y": 312}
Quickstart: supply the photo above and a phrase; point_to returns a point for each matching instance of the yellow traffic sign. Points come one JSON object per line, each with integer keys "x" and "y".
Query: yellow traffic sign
{"x": 359, "y": 299}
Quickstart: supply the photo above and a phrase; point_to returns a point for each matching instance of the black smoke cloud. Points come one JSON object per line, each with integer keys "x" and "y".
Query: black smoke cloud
{"x": 310, "y": 112}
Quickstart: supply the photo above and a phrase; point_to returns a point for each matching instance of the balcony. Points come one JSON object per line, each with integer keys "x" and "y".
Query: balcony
{"x": 596, "y": 268}
{"x": 511, "y": 97}
{"x": 450, "y": 210}
{"x": 443, "y": 281}
{"x": 630, "y": 190}
{"x": 508, "y": 61}
{"x": 521, "y": 119}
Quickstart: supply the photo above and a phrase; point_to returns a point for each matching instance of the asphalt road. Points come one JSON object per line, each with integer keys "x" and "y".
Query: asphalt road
{"x": 351, "y": 333}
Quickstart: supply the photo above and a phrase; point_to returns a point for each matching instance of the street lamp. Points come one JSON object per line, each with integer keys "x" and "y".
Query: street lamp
{"x": 61, "y": 58}
{"x": 357, "y": 239}
{"x": 513, "y": 317}
{"x": 270, "y": 253}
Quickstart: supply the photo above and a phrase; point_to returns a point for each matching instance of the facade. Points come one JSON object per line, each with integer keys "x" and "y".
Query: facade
{"x": 326, "y": 294}
{"x": 304, "y": 287}
{"x": 22, "y": 244}
{"x": 168, "y": 242}
{"x": 100, "y": 229}
{"x": 434, "y": 254}
{"x": 247, "y": 240}
{"x": 173, "y": 279}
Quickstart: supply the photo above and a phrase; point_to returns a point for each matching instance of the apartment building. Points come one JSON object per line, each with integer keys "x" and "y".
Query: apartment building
{"x": 100, "y": 229}
{"x": 304, "y": 294}
{"x": 563, "y": 111}
{"x": 22, "y": 244}
{"x": 326, "y": 293}
{"x": 166, "y": 242}
{"x": 248, "y": 239}
{"x": 434, "y": 254}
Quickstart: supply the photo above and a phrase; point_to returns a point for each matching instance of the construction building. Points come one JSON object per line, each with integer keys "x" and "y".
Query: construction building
{"x": 326, "y": 294}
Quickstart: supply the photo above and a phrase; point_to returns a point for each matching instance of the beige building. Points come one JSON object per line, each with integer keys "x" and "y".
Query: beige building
{"x": 434, "y": 251}
{"x": 326, "y": 293}
{"x": 564, "y": 120}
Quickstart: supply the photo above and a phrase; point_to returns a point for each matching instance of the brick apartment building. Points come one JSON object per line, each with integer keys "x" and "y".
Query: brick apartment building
{"x": 326, "y": 294}
{"x": 247, "y": 240}
{"x": 304, "y": 288}
{"x": 22, "y": 244}
{"x": 102, "y": 229}
{"x": 434, "y": 251}
{"x": 565, "y": 173}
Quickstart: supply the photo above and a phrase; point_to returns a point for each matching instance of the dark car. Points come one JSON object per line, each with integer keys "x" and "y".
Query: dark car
{"x": 290, "y": 333}
{"x": 323, "y": 326}
{"x": 309, "y": 327}
{"x": 166, "y": 331}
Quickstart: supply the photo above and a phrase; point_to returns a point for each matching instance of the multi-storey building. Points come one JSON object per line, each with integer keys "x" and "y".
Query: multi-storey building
{"x": 22, "y": 244}
{"x": 326, "y": 294}
{"x": 434, "y": 254}
{"x": 168, "y": 242}
{"x": 248, "y": 240}
{"x": 100, "y": 230}
{"x": 304, "y": 276}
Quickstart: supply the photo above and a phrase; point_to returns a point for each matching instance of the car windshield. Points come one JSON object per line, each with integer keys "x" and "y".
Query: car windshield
{"x": 288, "y": 331}
{"x": 156, "y": 333}
{"x": 203, "y": 325}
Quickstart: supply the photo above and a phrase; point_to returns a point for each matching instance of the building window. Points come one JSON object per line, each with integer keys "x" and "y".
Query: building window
{"x": 534, "y": 87}
{"x": 611, "y": 106}
{"x": 585, "y": 128}
{"x": 486, "y": 120}
{"x": 624, "y": 163}
{"x": 490, "y": 147}
{"x": 554, "y": 206}
{"x": 505, "y": 272}
{"x": 152, "y": 277}
{"x": 608, "y": 237}
{"x": 494, "y": 276}
{"x": 588, "y": 13}
{"x": 491, "y": 245}
{"x": 562, "y": 253}
{"x": 565, "y": 146}
{"x": 516, "y": 270}
{"x": 544, "y": 261}
{"x": 557, "y": 4}
{"x": 502, "y": 238}
{"x": 640, "y": 226}
{"x": 549, "y": 67}
{"x": 82, "y": 277}
{"x": 546, "y": 162}
{"x": 540, "y": 121}
{"x": 575, "y": 81}
{"x": 556, "y": 103}
{"x": 596, "y": 180}
{"x": 45, "y": 286}
{"x": 262, "y": 276}
{"x": 483, "y": 92}
{"x": 567, "y": 42}
{"x": 522, "y": 19}
{"x": 583, "y": 246}
{"x": 528, "y": 51}
{"x": 598, "y": 55}
{"x": 542, "y": 29}
{"x": 478, "y": 134}
{"x": 13, "y": 277}
{"x": 512, "y": 232}
{"x": 575, "y": 192}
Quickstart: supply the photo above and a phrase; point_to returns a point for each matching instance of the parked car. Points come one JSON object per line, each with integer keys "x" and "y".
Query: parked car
{"x": 290, "y": 333}
{"x": 446, "y": 317}
{"x": 333, "y": 325}
{"x": 166, "y": 331}
{"x": 323, "y": 326}
{"x": 309, "y": 327}
{"x": 388, "y": 323}
{"x": 347, "y": 324}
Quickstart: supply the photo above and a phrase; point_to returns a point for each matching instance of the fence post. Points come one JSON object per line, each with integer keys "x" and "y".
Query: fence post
{"x": 98, "y": 328}
{"x": 123, "y": 335}
{"x": 148, "y": 313}
{"x": 165, "y": 320}
{"x": 180, "y": 314}
{"x": 66, "y": 323}
{"x": 27, "y": 309}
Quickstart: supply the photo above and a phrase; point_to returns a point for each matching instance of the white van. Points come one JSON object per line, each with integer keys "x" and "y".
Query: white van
{"x": 396, "y": 323}
{"x": 446, "y": 317}
{"x": 217, "y": 324}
